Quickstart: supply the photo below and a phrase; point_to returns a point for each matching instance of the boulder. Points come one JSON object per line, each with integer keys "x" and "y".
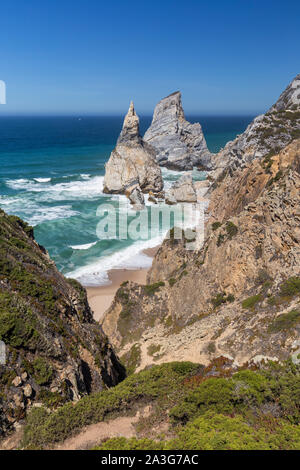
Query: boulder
{"x": 180, "y": 145}
{"x": 132, "y": 163}
{"x": 17, "y": 381}
{"x": 136, "y": 198}
{"x": 182, "y": 190}
{"x": 27, "y": 390}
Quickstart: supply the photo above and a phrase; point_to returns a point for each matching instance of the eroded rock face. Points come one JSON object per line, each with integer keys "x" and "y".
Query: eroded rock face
{"x": 266, "y": 135}
{"x": 226, "y": 298}
{"x": 132, "y": 163}
{"x": 55, "y": 351}
{"x": 180, "y": 145}
{"x": 182, "y": 190}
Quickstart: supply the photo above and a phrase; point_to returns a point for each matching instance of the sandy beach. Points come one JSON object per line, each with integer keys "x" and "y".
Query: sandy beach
{"x": 101, "y": 297}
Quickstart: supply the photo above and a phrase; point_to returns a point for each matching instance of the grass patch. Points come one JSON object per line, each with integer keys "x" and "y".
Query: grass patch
{"x": 252, "y": 301}
{"x": 150, "y": 289}
{"x": 285, "y": 321}
{"x": 132, "y": 359}
{"x": 290, "y": 287}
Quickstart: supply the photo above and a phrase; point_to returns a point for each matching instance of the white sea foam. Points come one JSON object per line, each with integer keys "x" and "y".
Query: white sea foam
{"x": 85, "y": 176}
{"x": 83, "y": 247}
{"x": 34, "y": 213}
{"x": 42, "y": 180}
{"x": 89, "y": 188}
{"x": 44, "y": 214}
{"x": 132, "y": 257}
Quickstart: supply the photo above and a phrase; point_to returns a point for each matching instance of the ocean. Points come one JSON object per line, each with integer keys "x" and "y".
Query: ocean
{"x": 51, "y": 176}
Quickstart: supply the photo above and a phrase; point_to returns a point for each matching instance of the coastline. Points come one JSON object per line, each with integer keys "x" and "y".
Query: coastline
{"x": 101, "y": 297}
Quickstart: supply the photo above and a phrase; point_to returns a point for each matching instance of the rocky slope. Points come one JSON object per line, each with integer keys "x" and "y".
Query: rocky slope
{"x": 132, "y": 168}
{"x": 236, "y": 296}
{"x": 55, "y": 352}
{"x": 180, "y": 145}
{"x": 266, "y": 135}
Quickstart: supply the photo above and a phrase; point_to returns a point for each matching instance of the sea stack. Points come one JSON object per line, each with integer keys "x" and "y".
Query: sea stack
{"x": 132, "y": 168}
{"x": 180, "y": 145}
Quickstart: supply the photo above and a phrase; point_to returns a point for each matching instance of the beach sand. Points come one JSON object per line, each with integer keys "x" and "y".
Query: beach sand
{"x": 100, "y": 298}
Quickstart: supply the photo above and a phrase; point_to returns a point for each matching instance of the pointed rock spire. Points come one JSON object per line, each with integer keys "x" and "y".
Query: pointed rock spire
{"x": 131, "y": 127}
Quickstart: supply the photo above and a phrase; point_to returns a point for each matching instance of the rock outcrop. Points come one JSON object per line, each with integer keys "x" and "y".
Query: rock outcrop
{"x": 132, "y": 166}
{"x": 238, "y": 296}
{"x": 55, "y": 351}
{"x": 180, "y": 145}
{"x": 266, "y": 135}
{"x": 182, "y": 190}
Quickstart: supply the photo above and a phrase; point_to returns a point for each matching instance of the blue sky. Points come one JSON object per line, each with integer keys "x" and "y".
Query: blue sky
{"x": 93, "y": 56}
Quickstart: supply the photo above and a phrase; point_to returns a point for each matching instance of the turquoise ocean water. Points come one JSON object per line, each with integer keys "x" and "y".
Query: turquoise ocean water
{"x": 51, "y": 175}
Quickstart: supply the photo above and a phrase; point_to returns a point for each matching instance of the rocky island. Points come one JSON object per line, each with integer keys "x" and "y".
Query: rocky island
{"x": 180, "y": 145}
{"x": 132, "y": 168}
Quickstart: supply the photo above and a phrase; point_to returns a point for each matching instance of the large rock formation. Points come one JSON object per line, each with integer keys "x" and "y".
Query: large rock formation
{"x": 266, "y": 135}
{"x": 180, "y": 145}
{"x": 132, "y": 166}
{"x": 55, "y": 351}
{"x": 238, "y": 295}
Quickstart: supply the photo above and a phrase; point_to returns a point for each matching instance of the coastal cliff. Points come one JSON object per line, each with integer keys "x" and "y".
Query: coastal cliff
{"x": 238, "y": 295}
{"x": 266, "y": 135}
{"x": 55, "y": 351}
{"x": 180, "y": 145}
{"x": 132, "y": 168}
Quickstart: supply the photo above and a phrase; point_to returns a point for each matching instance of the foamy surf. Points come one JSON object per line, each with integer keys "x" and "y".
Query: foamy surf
{"x": 83, "y": 247}
{"x": 132, "y": 257}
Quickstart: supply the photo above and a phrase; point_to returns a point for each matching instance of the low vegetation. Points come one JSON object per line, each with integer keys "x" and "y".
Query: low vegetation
{"x": 245, "y": 409}
{"x": 251, "y": 302}
{"x": 150, "y": 289}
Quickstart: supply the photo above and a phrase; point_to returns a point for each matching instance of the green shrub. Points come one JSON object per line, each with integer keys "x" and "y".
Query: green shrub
{"x": 216, "y": 225}
{"x": 290, "y": 287}
{"x": 122, "y": 443}
{"x": 42, "y": 371}
{"x": 51, "y": 399}
{"x": 221, "y": 298}
{"x": 150, "y": 289}
{"x": 132, "y": 359}
{"x": 285, "y": 321}
{"x": 172, "y": 281}
{"x": 218, "y": 432}
{"x": 216, "y": 394}
{"x": 231, "y": 229}
{"x": 251, "y": 302}
{"x": 159, "y": 383}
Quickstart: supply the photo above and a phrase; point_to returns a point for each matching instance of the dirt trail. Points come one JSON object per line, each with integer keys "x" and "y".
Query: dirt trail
{"x": 92, "y": 435}
{"x": 12, "y": 442}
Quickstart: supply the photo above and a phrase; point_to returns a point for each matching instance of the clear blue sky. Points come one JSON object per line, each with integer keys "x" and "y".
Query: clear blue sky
{"x": 93, "y": 56}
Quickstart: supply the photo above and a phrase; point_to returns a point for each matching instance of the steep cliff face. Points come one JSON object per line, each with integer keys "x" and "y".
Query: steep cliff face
{"x": 239, "y": 294}
{"x": 266, "y": 135}
{"x": 179, "y": 144}
{"x": 55, "y": 352}
{"x": 132, "y": 165}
